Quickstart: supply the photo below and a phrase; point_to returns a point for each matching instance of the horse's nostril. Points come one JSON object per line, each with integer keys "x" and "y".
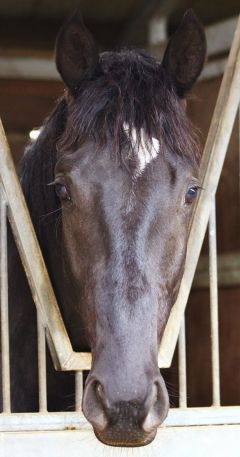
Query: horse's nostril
{"x": 157, "y": 406}
{"x": 95, "y": 405}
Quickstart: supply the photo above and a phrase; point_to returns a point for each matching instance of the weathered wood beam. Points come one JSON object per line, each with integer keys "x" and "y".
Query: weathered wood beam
{"x": 219, "y": 36}
{"x": 41, "y": 66}
{"x": 213, "y": 69}
{"x": 228, "y": 271}
{"x": 43, "y": 69}
{"x": 28, "y": 68}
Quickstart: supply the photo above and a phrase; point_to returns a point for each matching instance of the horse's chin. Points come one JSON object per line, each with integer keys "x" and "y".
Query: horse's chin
{"x": 121, "y": 438}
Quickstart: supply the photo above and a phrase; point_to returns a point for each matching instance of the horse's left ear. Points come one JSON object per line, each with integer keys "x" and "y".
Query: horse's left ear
{"x": 185, "y": 54}
{"x": 75, "y": 52}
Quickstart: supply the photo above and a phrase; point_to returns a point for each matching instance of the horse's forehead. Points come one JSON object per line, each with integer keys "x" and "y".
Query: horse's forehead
{"x": 146, "y": 149}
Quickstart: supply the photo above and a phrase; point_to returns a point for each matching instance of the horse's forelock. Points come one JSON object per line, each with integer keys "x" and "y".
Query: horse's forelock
{"x": 129, "y": 87}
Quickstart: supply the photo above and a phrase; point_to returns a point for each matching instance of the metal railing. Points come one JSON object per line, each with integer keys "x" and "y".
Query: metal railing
{"x": 4, "y": 307}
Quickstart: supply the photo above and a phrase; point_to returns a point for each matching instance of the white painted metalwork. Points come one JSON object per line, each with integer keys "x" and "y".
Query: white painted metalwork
{"x": 214, "y": 441}
{"x": 42, "y": 376}
{"x": 182, "y": 367}
{"x": 214, "y": 306}
{"x": 78, "y": 390}
{"x": 4, "y": 306}
{"x": 177, "y": 417}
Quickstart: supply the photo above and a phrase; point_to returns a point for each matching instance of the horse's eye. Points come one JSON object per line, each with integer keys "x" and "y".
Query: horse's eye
{"x": 191, "y": 194}
{"x": 61, "y": 191}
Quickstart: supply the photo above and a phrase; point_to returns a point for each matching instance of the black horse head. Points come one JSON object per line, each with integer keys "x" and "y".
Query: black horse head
{"x": 123, "y": 162}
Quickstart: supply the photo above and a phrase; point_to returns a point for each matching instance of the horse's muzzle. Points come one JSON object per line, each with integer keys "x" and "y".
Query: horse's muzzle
{"x": 125, "y": 423}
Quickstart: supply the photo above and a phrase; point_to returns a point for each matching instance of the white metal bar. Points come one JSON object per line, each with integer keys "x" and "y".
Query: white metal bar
{"x": 4, "y": 307}
{"x": 42, "y": 376}
{"x": 177, "y": 417}
{"x": 182, "y": 367}
{"x": 214, "y": 306}
{"x": 215, "y": 441}
{"x": 78, "y": 390}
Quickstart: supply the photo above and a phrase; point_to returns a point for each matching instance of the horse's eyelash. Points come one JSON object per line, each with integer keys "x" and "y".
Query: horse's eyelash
{"x": 53, "y": 183}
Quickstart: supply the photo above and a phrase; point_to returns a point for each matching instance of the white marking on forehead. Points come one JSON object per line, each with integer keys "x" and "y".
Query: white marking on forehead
{"x": 145, "y": 149}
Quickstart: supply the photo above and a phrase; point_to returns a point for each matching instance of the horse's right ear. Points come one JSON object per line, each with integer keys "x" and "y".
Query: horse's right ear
{"x": 75, "y": 52}
{"x": 185, "y": 54}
